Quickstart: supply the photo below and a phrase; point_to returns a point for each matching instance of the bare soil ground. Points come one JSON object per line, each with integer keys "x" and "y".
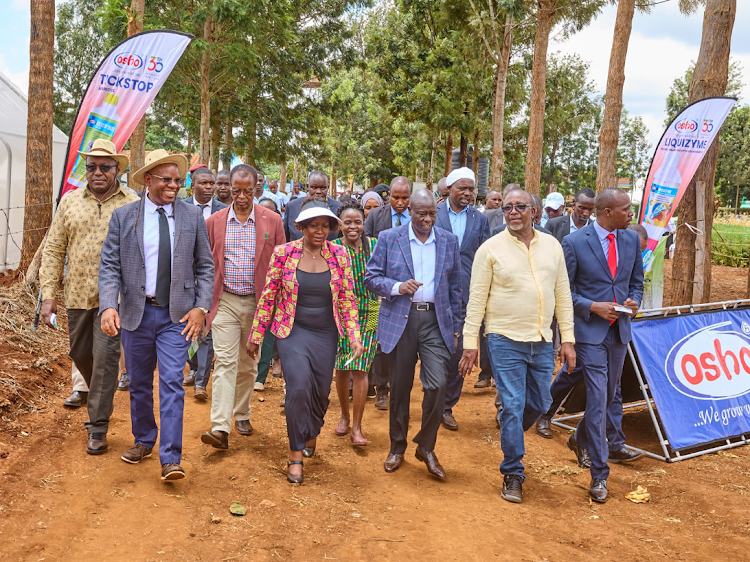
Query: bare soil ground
{"x": 58, "y": 503}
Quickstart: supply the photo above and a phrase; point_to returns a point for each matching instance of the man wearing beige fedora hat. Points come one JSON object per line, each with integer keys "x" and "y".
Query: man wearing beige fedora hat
{"x": 156, "y": 282}
{"x": 78, "y": 231}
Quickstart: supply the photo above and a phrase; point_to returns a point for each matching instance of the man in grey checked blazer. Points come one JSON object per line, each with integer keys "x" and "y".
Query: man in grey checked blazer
{"x": 417, "y": 269}
{"x": 156, "y": 281}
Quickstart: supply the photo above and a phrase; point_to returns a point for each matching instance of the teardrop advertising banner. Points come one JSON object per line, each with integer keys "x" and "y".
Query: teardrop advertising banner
{"x": 679, "y": 153}
{"x": 119, "y": 93}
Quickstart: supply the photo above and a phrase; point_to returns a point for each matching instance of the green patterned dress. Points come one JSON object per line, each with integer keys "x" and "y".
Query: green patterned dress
{"x": 367, "y": 307}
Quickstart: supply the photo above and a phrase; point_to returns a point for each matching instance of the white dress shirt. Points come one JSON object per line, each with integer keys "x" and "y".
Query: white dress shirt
{"x": 206, "y": 210}
{"x": 423, "y": 257}
{"x": 151, "y": 241}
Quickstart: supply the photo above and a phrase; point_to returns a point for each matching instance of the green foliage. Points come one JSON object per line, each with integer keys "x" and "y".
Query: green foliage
{"x": 730, "y": 244}
{"x": 634, "y": 149}
{"x": 732, "y": 182}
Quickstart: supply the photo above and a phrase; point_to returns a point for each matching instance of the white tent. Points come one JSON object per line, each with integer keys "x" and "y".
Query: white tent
{"x": 13, "y": 111}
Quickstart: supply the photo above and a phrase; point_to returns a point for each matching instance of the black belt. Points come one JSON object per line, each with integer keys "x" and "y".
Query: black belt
{"x": 152, "y": 301}
{"x": 423, "y": 305}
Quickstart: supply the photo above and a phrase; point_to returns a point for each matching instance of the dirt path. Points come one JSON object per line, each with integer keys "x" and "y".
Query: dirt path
{"x": 57, "y": 503}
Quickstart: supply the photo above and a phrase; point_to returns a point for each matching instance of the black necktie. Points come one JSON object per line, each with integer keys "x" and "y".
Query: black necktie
{"x": 203, "y": 206}
{"x": 398, "y": 219}
{"x": 164, "y": 269}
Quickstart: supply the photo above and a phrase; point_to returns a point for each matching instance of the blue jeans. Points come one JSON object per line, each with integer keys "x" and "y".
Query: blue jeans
{"x": 523, "y": 374}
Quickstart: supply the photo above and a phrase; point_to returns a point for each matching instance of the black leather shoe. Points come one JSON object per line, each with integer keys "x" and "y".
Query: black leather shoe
{"x": 450, "y": 422}
{"x": 498, "y": 420}
{"x": 189, "y": 380}
{"x": 433, "y": 465}
{"x": 543, "y": 428}
{"x": 486, "y": 383}
{"x": 124, "y": 382}
{"x": 512, "y": 488}
{"x": 393, "y": 462}
{"x": 598, "y": 490}
{"x": 244, "y": 427}
{"x": 217, "y": 439}
{"x": 584, "y": 461}
{"x": 294, "y": 478}
{"x": 97, "y": 444}
{"x": 382, "y": 402}
{"x": 77, "y": 399}
{"x": 623, "y": 455}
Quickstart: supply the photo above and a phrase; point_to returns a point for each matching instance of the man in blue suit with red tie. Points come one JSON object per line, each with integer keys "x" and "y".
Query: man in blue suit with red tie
{"x": 605, "y": 268}
{"x": 417, "y": 269}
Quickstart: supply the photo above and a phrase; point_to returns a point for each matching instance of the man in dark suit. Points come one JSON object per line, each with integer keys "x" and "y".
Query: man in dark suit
{"x": 317, "y": 188}
{"x": 394, "y": 213}
{"x": 204, "y": 188}
{"x": 417, "y": 270}
{"x": 156, "y": 281}
{"x": 583, "y": 206}
{"x": 456, "y": 215}
{"x": 605, "y": 268}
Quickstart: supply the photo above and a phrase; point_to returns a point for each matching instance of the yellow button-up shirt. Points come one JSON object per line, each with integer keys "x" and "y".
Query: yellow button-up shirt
{"x": 78, "y": 230}
{"x": 516, "y": 290}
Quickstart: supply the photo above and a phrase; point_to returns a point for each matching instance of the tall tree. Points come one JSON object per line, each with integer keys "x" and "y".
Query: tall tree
{"x": 138, "y": 138}
{"x": 574, "y": 14}
{"x": 609, "y": 135}
{"x": 38, "y": 198}
{"x": 709, "y": 79}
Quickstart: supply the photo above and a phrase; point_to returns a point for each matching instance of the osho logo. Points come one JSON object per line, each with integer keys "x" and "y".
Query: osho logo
{"x": 129, "y": 60}
{"x": 686, "y": 126}
{"x": 710, "y": 363}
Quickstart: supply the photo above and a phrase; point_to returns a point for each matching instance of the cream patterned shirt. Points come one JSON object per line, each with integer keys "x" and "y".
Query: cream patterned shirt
{"x": 78, "y": 230}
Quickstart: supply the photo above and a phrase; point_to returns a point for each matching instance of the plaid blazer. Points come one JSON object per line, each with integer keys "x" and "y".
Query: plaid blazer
{"x": 392, "y": 262}
{"x": 281, "y": 291}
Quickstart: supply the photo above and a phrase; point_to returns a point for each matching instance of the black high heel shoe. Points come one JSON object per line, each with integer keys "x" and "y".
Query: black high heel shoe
{"x": 294, "y": 478}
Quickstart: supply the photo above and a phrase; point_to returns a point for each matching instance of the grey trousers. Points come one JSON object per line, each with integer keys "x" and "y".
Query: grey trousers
{"x": 421, "y": 338}
{"x": 97, "y": 356}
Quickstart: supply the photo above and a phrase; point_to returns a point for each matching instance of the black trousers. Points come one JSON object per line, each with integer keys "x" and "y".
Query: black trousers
{"x": 380, "y": 372}
{"x": 97, "y": 356}
{"x": 421, "y": 338}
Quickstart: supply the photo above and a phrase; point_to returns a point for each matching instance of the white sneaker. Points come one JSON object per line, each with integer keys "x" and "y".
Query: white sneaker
{"x": 260, "y": 387}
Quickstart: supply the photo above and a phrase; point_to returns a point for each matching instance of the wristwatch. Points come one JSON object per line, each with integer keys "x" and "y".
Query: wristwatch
{"x": 203, "y": 310}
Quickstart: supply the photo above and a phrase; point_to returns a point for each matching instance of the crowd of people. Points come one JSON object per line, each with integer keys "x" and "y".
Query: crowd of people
{"x": 241, "y": 275}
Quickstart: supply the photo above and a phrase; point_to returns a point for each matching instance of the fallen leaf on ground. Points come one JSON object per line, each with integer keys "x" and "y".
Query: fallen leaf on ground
{"x": 237, "y": 509}
{"x": 639, "y": 495}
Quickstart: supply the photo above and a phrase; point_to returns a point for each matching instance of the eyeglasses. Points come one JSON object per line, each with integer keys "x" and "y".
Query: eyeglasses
{"x": 177, "y": 181}
{"x": 105, "y": 168}
{"x": 246, "y": 192}
{"x": 521, "y": 208}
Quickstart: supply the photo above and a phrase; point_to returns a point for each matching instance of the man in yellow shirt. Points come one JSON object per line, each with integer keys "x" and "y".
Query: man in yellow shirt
{"x": 78, "y": 230}
{"x": 518, "y": 281}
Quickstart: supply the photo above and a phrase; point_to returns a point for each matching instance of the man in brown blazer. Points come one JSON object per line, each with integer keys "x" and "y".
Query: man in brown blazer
{"x": 242, "y": 238}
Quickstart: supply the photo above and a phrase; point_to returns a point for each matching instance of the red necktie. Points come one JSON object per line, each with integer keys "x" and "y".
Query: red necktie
{"x": 612, "y": 261}
{"x": 612, "y": 255}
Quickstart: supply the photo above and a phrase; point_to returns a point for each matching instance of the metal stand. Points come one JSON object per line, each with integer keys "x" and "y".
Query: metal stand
{"x": 669, "y": 454}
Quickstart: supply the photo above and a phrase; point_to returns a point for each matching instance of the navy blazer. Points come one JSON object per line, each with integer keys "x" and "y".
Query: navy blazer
{"x": 216, "y": 205}
{"x": 476, "y": 232}
{"x": 591, "y": 281}
{"x": 391, "y": 262}
{"x": 292, "y": 212}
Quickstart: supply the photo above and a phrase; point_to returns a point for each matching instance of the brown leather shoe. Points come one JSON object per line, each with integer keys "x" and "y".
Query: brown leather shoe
{"x": 450, "y": 422}
{"x": 382, "y": 402}
{"x": 217, "y": 439}
{"x": 76, "y": 399}
{"x": 429, "y": 458}
{"x": 97, "y": 444}
{"x": 243, "y": 427}
{"x": 172, "y": 471}
{"x": 393, "y": 462}
{"x": 136, "y": 454}
{"x": 200, "y": 394}
{"x": 543, "y": 428}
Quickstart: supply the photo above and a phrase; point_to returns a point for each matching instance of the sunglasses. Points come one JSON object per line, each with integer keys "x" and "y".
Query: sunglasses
{"x": 508, "y": 209}
{"x": 105, "y": 168}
